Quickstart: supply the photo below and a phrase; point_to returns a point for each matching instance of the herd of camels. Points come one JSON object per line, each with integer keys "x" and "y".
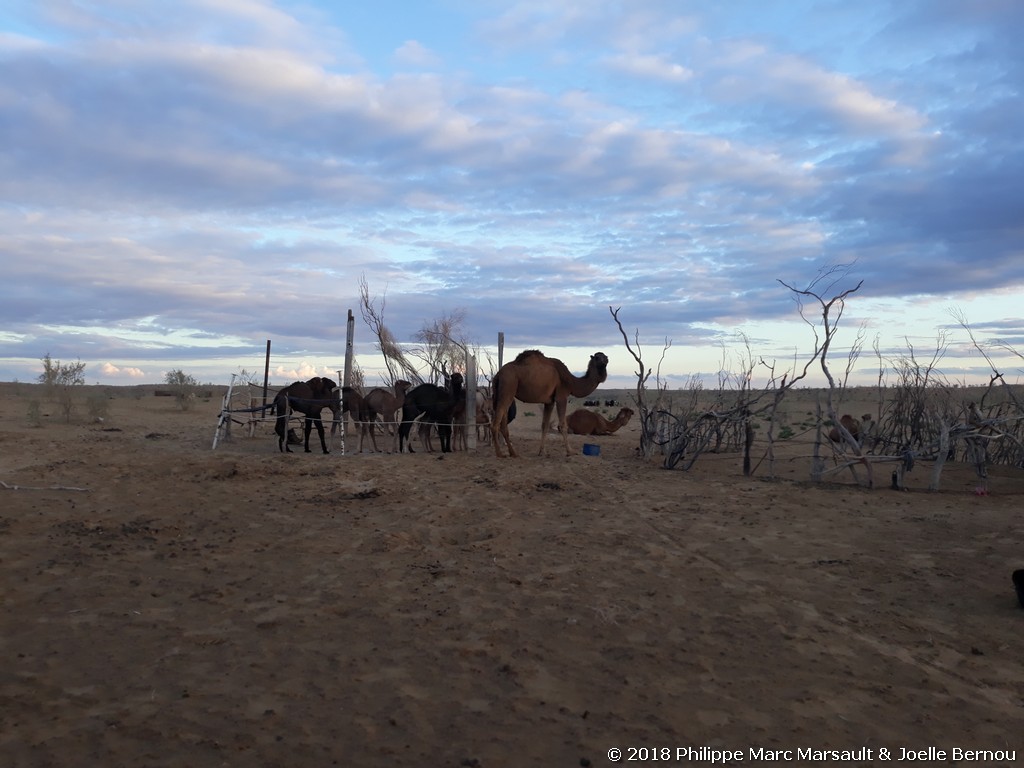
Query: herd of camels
{"x": 531, "y": 378}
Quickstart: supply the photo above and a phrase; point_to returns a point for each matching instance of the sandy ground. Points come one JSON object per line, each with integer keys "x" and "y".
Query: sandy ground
{"x": 241, "y": 607}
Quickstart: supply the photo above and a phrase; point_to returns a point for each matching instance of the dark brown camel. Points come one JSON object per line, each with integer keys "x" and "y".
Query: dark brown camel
{"x": 308, "y": 398}
{"x": 432, "y": 405}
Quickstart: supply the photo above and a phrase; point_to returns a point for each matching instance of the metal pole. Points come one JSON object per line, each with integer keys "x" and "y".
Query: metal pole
{"x": 350, "y": 333}
{"x": 470, "y": 415}
{"x": 266, "y": 379}
{"x": 346, "y": 381}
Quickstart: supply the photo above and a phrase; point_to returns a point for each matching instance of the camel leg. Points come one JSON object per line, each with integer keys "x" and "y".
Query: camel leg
{"x": 405, "y": 436}
{"x": 320, "y": 432}
{"x": 368, "y": 428}
{"x": 504, "y": 433}
{"x": 499, "y": 431}
{"x": 562, "y": 427}
{"x": 495, "y": 431}
{"x": 308, "y": 429}
{"x": 545, "y": 425}
{"x": 393, "y": 426}
{"x": 281, "y": 428}
{"x": 423, "y": 430}
{"x": 495, "y": 434}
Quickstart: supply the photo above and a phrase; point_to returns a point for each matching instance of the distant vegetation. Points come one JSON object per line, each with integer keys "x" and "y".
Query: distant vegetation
{"x": 60, "y": 379}
{"x": 183, "y": 387}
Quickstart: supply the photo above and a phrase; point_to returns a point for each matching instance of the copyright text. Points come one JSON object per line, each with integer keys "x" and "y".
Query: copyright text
{"x": 763, "y": 754}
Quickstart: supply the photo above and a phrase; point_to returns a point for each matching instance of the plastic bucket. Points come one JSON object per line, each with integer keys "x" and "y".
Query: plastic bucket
{"x": 589, "y": 449}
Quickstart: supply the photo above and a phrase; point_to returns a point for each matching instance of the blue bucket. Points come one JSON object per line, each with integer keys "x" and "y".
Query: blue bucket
{"x": 589, "y": 449}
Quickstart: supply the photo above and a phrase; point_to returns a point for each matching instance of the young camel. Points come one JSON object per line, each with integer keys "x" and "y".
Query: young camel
{"x": 584, "y": 422}
{"x": 352, "y": 404}
{"x": 484, "y": 414}
{"x": 387, "y": 405}
{"x": 483, "y": 421}
{"x": 534, "y": 378}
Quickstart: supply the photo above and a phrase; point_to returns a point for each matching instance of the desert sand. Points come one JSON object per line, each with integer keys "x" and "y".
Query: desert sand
{"x": 240, "y": 607}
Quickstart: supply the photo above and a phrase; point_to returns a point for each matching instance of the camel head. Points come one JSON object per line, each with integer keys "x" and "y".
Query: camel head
{"x": 330, "y": 389}
{"x": 598, "y": 364}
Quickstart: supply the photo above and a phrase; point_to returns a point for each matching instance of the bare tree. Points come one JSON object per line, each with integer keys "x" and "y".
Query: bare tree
{"x": 398, "y": 365}
{"x": 830, "y": 312}
{"x": 651, "y": 419}
{"x": 443, "y": 346}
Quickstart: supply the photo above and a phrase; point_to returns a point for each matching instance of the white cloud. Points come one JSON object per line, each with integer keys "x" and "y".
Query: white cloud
{"x": 304, "y": 371}
{"x": 650, "y": 67}
{"x": 224, "y": 173}
{"x": 414, "y": 54}
{"x": 115, "y": 372}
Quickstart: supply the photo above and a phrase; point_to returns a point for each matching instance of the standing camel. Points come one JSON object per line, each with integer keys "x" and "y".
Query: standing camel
{"x": 352, "y": 404}
{"x": 387, "y": 405}
{"x": 308, "y": 398}
{"x": 433, "y": 406}
{"x": 534, "y": 378}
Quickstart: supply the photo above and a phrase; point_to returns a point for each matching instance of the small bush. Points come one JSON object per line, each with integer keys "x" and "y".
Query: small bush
{"x": 99, "y": 407}
{"x": 35, "y": 414}
{"x": 183, "y": 386}
{"x": 59, "y": 380}
{"x": 785, "y": 433}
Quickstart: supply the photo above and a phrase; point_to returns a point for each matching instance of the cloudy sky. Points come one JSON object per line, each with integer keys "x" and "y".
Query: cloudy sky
{"x": 181, "y": 181}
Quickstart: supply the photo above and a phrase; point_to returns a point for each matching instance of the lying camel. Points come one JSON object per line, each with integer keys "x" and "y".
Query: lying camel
{"x": 584, "y": 422}
{"x": 852, "y": 426}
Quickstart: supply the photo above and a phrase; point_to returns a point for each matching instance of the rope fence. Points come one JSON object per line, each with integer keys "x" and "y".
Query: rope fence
{"x": 229, "y": 410}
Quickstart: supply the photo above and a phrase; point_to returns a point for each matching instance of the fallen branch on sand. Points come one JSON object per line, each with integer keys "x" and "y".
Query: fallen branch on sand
{"x": 39, "y": 488}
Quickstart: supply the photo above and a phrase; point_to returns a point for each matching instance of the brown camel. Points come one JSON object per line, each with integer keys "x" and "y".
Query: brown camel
{"x": 534, "y": 378}
{"x": 584, "y": 422}
{"x": 386, "y": 404}
{"x": 852, "y": 426}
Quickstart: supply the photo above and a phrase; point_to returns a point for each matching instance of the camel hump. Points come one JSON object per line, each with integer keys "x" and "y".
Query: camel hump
{"x": 528, "y": 354}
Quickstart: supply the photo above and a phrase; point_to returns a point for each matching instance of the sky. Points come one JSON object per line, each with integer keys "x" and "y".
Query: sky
{"x": 182, "y": 181}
